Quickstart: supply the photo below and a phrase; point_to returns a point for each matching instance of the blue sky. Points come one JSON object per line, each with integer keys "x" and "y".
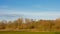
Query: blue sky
{"x": 36, "y": 9}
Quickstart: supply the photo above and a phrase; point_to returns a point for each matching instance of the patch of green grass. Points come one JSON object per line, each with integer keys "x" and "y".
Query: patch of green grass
{"x": 57, "y": 32}
{"x": 11, "y": 32}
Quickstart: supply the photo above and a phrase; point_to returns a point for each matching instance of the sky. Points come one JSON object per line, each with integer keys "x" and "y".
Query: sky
{"x": 35, "y": 9}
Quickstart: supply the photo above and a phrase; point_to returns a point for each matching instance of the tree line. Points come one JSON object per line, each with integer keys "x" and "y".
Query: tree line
{"x": 30, "y": 25}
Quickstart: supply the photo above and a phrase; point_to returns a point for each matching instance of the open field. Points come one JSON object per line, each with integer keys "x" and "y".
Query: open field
{"x": 11, "y": 32}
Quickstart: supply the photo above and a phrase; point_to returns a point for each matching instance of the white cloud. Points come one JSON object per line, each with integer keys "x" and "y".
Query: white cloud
{"x": 34, "y": 15}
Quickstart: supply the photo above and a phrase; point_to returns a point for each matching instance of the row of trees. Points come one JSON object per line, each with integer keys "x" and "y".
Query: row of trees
{"x": 30, "y": 25}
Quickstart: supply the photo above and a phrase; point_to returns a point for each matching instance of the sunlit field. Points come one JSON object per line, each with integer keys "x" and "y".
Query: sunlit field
{"x": 11, "y": 32}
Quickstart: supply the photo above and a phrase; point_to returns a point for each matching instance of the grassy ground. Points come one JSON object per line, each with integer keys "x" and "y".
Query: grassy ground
{"x": 29, "y": 32}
